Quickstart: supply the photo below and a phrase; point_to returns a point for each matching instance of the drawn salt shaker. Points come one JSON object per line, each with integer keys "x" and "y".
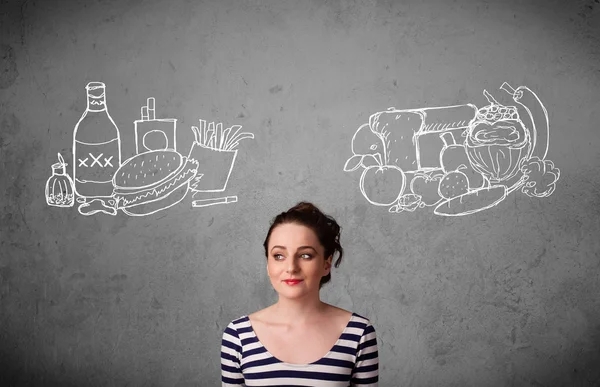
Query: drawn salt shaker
{"x": 59, "y": 187}
{"x": 96, "y": 146}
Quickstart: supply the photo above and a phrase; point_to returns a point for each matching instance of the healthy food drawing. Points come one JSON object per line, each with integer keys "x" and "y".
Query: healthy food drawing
{"x": 458, "y": 159}
{"x": 156, "y": 178}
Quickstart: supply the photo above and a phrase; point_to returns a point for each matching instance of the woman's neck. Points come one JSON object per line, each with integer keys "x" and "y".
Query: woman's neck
{"x": 298, "y": 311}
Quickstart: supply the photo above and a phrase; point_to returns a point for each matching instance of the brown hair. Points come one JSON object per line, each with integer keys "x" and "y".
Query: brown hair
{"x": 324, "y": 226}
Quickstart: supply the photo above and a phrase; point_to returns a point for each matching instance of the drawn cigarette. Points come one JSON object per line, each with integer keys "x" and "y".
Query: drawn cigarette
{"x": 212, "y": 202}
{"x": 151, "y": 114}
{"x": 144, "y": 113}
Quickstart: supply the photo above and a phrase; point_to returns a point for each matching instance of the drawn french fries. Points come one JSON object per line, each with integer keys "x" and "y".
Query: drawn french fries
{"x": 212, "y": 136}
{"x": 215, "y": 148}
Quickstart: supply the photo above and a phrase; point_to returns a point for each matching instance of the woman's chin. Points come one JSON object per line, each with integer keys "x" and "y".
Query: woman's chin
{"x": 292, "y": 292}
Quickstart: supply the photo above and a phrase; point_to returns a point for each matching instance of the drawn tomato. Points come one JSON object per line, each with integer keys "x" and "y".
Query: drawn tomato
{"x": 426, "y": 186}
{"x": 382, "y": 185}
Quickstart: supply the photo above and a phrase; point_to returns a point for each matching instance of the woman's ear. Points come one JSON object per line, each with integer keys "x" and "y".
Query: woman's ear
{"x": 328, "y": 263}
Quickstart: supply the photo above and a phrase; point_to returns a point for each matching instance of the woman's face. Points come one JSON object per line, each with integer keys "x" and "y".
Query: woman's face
{"x": 295, "y": 253}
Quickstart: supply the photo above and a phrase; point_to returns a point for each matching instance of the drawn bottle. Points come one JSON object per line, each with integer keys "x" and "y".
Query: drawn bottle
{"x": 96, "y": 146}
{"x": 59, "y": 187}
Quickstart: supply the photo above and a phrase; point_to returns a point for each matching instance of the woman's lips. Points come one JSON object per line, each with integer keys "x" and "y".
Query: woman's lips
{"x": 292, "y": 282}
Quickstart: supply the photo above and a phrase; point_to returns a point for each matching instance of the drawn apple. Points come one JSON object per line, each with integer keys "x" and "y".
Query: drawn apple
{"x": 382, "y": 185}
{"x": 427, "y": 187}
{"x": 453, "y": 184}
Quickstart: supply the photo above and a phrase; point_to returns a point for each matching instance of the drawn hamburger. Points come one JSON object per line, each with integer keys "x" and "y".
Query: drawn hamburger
{"x": 152, "y": 181}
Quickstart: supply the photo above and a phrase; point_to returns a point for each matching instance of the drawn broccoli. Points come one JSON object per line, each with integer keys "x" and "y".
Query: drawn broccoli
{"x": 540, "y": 177}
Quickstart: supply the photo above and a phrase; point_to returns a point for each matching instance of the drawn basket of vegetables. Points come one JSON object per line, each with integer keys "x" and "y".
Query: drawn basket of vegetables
{"x": 215, "y": 149}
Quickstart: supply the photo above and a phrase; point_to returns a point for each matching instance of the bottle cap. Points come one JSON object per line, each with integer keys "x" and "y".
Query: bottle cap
{"x": 94, "y": 85}
{"x": 59, "y": 168}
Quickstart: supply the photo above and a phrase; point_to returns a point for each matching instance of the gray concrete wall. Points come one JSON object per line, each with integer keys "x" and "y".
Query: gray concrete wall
{"x": 503, "y": 297}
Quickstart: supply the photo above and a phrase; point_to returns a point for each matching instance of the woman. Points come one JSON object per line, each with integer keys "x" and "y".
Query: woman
{"x": 300, "y": 340}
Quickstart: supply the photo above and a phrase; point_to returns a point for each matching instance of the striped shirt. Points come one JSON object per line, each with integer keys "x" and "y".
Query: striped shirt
{"x": 353, "y": 360}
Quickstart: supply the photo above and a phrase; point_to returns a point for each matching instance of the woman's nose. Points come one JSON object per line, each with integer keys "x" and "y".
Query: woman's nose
{"x": 292, "y": 266}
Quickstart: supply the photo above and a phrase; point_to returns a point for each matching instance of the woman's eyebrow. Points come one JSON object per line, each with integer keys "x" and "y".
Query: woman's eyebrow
{"x": 299, "y": 248}
{"x": 307, "y": 247}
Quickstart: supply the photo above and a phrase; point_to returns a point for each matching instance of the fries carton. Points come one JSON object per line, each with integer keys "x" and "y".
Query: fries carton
{"x": 215, "y": 149}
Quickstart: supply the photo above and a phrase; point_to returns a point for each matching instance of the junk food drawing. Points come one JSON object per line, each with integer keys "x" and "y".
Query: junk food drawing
{"x": 152, "y": 133}
{"x": 217, "y": 147}
{"x": 458, "y": 159}
{"x": 59, "y": 187}
{"x": 157, "y": 177}
{"x": 96, "y": 147}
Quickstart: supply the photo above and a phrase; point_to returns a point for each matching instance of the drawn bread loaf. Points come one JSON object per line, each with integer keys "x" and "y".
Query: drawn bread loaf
{"x": 404, "y": 133}
{"x": 397, "y": 129}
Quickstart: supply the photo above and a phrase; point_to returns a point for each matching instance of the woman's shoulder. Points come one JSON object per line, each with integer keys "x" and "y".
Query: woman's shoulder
{"x": 362, "y": 318}
{"x": 348, "y": 315}
{"x": 361, "y": 322}
{"x": 238, "y": 323}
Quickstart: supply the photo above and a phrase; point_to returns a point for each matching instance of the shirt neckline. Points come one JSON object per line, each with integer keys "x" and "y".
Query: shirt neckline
{"x": 352, "y": 316}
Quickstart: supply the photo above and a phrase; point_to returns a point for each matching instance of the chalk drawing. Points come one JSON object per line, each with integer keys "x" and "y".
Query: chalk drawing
{"x": 96, "y": 148}
{"x": 212, "y": 202}
{"x": 157, "y": 177}
{"x": 458, "y": 159}
{"x": 152, "y": 181}
{"x": 59, "y": 187}
{"x": 153, "y": 133}
{"x": 215, "y": 149}
{"x": 94, "y": 206}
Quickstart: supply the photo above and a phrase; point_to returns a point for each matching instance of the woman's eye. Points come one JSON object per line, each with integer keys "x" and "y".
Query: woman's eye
{"x": 278, "y": 257}
{"x": 306, "y": 256}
